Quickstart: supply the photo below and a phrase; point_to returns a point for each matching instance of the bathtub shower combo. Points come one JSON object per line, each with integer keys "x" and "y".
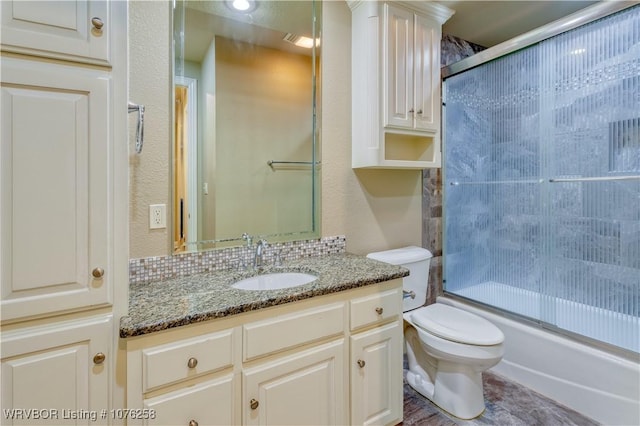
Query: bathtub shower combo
{"x": 542, "y": 204}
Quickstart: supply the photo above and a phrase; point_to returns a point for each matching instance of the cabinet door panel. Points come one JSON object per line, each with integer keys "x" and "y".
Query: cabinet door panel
{"x": 399, "y": 65}
{"x": 427, "y": 74}
{"x": 209, "y": 403}
{"x": 51, "y": 371}
{"x": 376, "y": 376}
{"x": 303, "y": 389}
{"x": 61, "y": 29}
{"x": 53, "y": 187}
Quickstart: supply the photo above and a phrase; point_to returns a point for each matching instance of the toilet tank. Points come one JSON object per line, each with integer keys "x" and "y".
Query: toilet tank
{"x": 416, "y": 260}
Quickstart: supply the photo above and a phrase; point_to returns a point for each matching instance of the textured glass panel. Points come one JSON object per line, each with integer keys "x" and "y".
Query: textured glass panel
{"x": 542, "y": 209}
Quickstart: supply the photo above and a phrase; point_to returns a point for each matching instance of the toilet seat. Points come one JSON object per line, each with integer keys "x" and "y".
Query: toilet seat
{"x": 456, "y": 325}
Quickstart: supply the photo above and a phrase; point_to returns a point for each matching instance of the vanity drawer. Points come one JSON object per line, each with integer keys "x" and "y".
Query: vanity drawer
{"x": 376, "y": 308}
{"x": 208, "y": 403}
{"x": 185, "y": 359}
{"x": 288, "y": 331}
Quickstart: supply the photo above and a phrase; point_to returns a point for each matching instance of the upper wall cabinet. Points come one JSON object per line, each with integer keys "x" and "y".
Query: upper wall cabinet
{"x": 396, "y": 83}
{"x": 76, "y": 30}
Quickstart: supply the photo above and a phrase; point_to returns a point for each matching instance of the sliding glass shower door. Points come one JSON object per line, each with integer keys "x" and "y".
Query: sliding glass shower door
{"x": 542, "y": 181}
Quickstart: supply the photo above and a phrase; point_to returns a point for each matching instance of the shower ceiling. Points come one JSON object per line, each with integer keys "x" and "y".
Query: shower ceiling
{"x": 488, "y": 23}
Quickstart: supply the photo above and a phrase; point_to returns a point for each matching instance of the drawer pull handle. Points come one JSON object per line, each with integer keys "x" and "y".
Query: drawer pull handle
{"x": 99, "y": 358}
{"x": 97, "y": 273}
{"x": 379, "y": 311}
{"x": 192, "y": 363}
{"x": 97, "y": 23}
{"x": 253, "y": 404}
{"x": 361, "y": 363}
{"x": 193, "y": 423}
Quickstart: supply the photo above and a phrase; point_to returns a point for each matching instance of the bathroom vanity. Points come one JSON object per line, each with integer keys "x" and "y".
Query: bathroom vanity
{"x": 327, "y": 352}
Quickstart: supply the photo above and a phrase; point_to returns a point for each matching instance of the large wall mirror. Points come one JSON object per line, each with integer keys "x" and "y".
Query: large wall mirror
{"x": 246, "y": 145}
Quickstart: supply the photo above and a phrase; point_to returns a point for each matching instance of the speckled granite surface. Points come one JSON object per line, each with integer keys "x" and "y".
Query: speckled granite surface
{"x": 172, "y": 303}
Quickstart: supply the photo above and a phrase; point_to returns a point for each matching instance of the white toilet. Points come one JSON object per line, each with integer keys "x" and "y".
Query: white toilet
{"x": 447, "y": 348}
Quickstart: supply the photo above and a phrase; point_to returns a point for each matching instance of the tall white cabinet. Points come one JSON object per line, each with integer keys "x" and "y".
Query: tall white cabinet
{"x": 396, "y": 83}
{"x": 63, "y": 188}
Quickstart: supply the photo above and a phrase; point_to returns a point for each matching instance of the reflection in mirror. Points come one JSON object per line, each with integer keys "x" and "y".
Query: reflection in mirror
{"x": 246, "y": 141}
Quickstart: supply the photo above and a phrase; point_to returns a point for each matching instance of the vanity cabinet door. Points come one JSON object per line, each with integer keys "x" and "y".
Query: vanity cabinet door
{"x": 412, "y": 70}
{"x": 208, "y": 403}
{"x": 306, "y": 388}
{"x": 399, "y": 40}
{"x": 76, "y": 30}
{"x": 427, "y": 74}
{"x": 54, "y": 372}
{"x": 376, "y": 375}
{"x": 55, "y": 128}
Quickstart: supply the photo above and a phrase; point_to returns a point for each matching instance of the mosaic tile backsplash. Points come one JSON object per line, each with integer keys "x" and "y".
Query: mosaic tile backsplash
{"x": 181, "y": 265}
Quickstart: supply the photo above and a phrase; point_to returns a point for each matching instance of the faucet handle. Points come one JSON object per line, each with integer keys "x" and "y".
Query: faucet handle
{"x": 278, "y": 258}
{"x": 238, "y": 263}
{"x": 248, "y": 238}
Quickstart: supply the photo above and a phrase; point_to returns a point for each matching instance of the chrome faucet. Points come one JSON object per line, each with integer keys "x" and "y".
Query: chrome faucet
{"x": 257, "y": 259}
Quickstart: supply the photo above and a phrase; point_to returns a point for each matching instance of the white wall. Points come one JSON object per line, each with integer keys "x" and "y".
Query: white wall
{"x": 150, "y": 85}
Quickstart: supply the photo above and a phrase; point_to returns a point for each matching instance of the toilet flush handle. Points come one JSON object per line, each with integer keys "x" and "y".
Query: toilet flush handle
{"x": 411, "y": 294}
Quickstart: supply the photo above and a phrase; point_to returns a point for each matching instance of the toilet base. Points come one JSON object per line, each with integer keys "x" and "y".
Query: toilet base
{"x": 454, "y": 387}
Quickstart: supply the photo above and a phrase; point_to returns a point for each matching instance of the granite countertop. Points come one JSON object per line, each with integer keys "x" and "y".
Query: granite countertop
{"x": 172, "y": 303}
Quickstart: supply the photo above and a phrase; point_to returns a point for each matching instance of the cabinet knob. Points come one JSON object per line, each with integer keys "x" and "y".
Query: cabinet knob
{"x": 193, "y": 423}
{"x": 192, "y": 362}
{"x": 97, "y": 272}
{"x": 379, "y": 311}
{"x": 411, "y": 111}
{"x": 99, "y": 358}
{"x": 97, "y": 23}
{"x": 253, "y": 404}
{"x": 361, "y": 363}
{"x": 419, "y": 112}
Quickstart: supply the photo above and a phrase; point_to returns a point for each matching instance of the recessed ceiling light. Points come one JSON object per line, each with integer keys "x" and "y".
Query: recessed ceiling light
{"x": 242, "y": 6}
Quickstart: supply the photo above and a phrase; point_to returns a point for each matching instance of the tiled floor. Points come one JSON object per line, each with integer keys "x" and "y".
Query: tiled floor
{"x": 508, "y": 404}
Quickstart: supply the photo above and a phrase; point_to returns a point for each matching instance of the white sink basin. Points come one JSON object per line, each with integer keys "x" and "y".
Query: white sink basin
{"x": 274, "y": 281}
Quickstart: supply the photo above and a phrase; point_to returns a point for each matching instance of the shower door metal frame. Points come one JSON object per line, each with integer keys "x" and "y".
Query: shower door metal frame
{"x": 569, "y": 22}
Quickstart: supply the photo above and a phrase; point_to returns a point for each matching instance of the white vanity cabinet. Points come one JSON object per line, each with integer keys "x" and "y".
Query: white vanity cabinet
{"x": 396, "y": 83}
{"x": 289, "y": 364}
{"x": 75, "y": 30}
{"x": 55, "y": 133}
{"x": 57, "y": 371}
{"x": 287, "y": 386}
{"x": 306, "y": 388}
{"x": 376, "y": 358}
{"x": 64, "y": 197}
{"x": 60, "y": 174}
{"x": 175, "y": 380}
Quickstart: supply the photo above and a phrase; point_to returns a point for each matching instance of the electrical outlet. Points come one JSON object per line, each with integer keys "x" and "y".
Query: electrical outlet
{"x": 157, "y": 216}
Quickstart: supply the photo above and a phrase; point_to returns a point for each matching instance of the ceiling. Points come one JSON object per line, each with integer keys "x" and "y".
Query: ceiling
{"x": 485, "y": 23}
{"x": 488, "y": 23}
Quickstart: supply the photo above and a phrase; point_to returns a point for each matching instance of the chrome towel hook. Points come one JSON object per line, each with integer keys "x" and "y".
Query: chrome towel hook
{"x": 140, "y": 127}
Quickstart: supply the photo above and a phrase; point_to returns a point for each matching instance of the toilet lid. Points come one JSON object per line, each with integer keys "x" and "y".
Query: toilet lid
{"x": 457, "y": 325}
